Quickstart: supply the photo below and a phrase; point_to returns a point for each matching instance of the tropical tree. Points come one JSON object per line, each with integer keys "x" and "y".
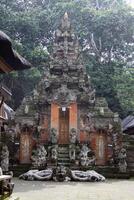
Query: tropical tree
{"x": 105, "y": 29}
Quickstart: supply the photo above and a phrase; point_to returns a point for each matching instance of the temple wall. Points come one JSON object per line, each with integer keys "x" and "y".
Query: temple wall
{"x": 101, "y": 144}
{"x": 84, "y": 136}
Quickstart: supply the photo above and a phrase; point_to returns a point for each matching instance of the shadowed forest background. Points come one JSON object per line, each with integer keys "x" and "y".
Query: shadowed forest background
{"x": 105, "y": 29}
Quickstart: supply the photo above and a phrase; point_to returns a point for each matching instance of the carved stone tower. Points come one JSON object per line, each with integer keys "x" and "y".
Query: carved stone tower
{"x": 63, "y": 106}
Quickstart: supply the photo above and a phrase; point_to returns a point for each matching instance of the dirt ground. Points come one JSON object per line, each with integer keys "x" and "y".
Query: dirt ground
{"x": 108, "y": 190}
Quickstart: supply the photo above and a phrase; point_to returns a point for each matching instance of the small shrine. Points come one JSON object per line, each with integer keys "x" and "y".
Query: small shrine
{"x": 63, "y": 122}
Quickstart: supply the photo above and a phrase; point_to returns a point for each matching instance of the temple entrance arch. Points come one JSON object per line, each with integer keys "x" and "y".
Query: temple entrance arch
{"x": 63, "y": 119}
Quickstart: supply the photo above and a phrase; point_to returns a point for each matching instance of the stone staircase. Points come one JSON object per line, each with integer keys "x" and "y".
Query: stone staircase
{"x": 63, "y": 155}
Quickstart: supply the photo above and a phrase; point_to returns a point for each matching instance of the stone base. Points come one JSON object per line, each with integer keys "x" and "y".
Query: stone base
{"x": 62, "y": 174}
{"x": 107, "y": 171}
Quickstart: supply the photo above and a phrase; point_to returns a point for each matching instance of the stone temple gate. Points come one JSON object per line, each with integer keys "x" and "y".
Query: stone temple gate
{"x": 63, "y": 114}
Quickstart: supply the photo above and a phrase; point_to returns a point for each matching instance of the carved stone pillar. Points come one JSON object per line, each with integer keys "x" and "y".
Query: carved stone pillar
{"x": 73, "y": 114}
{"x": 55, "y": 116}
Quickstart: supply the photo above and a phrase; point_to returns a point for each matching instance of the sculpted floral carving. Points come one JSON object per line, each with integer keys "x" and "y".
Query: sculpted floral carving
{"x": 39, "y": 157}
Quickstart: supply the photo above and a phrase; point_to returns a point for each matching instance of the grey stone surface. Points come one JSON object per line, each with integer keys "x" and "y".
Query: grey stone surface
{"x": 108, "y": 190}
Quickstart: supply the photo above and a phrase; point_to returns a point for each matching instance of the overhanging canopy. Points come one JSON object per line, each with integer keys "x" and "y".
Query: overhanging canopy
{"x": 9, "y": 59}
{"x": 128, "y": 123}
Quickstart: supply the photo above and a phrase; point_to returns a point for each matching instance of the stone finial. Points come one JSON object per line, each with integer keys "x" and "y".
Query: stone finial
{"x": 65, "y": 23}
{"x": 65, "y": 16}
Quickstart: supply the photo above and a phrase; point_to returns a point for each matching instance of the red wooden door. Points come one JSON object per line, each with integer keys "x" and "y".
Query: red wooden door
{"x": 101, "y": 148}
{"x": 63, "y": 126}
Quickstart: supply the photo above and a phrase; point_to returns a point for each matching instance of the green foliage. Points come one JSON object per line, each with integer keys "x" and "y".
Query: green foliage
{"x": 124, "y": 85}
{"x": 105, "y": 29}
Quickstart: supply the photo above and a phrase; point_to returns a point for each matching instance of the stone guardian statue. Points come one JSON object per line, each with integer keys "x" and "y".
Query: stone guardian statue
{"x": 39, "y": 157}
{"x": 86, "y": 156}
{"x": 5, "y": 158}
{"x": 122, "y": 160}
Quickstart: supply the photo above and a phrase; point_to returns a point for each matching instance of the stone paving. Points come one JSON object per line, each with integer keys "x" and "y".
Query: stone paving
{"x": 109, "y": 190}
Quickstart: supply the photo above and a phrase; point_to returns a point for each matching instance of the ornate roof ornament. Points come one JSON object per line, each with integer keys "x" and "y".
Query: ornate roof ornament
{"x": 64, "y": 96}
{"x": 65, "y": 23}
{"x": 65, "y": 16}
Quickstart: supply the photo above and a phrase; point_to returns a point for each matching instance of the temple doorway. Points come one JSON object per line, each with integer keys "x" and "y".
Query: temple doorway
{"x": 63, "y": 125}
{"x": 101, "y": 148}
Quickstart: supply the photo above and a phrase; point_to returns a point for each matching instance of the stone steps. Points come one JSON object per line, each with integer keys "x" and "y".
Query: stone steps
{"x": 65, "y": 164}
{"x": 64, "y": 159}
{"x": 63, "y": 156}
